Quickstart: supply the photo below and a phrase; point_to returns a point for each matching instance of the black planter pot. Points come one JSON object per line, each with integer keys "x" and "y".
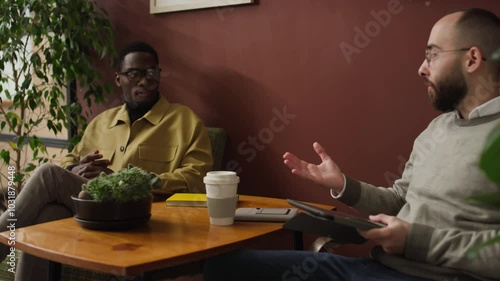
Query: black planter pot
{"x": 98, "y": 215}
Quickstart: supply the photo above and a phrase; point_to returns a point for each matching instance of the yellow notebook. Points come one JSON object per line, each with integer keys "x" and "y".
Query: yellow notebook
{"x": 187, "y": 200}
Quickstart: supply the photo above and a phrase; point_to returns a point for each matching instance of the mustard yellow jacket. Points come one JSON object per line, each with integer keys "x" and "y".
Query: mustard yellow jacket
{"x": 169, "y": 140}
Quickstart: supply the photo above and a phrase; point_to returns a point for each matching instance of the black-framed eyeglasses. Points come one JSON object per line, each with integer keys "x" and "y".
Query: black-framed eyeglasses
{"x": 430, "y": 54}
{"x": 136, "y": 74}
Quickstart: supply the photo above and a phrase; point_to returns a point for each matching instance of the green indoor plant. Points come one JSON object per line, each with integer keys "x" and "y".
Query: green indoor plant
{"x": 46, "y": 45}
{"x": 131, "y": 184}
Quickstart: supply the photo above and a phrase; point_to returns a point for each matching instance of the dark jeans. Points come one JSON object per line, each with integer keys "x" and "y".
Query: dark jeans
{"x": 297, "y": 266}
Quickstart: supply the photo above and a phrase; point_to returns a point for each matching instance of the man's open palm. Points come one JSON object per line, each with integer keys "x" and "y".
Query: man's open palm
{"x": 327, "y": 173}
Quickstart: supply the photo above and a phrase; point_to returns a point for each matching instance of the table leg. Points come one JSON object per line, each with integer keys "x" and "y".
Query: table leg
{"x": 298, "y": 241}
{"x": 54, "y": 272}
{"x": 147, "y": 276}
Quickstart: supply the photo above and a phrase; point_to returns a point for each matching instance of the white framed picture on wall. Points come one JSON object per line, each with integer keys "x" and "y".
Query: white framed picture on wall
{"x": 166, "y": 6}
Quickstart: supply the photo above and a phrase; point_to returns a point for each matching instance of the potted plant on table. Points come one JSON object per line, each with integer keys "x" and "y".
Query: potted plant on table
{"x": 117, "y": 201}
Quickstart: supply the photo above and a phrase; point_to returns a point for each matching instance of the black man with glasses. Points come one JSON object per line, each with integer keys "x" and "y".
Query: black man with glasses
{"x": 147, "y": 131}
{"x": 430, "y": 226}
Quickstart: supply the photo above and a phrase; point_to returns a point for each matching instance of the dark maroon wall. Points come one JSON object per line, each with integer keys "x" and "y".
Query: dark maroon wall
{"x": 236, "y": 67}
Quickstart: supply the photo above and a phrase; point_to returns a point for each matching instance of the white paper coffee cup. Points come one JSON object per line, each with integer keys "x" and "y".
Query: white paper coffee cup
{"x": 222, "y": 190}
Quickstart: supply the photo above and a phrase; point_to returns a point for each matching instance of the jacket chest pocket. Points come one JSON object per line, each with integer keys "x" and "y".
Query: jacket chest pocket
{"x": 158, "y": 159}
{"x": 157, "y": 153}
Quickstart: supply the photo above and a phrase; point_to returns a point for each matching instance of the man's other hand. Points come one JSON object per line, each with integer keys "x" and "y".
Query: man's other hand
{"x": 391, "y": 238}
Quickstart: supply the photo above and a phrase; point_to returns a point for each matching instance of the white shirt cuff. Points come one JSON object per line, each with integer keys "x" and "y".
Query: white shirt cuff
{"x": 336, "y": 195}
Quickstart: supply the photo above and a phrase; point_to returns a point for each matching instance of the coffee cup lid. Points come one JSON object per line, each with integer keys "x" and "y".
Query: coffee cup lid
{"x": 221, "y": 177}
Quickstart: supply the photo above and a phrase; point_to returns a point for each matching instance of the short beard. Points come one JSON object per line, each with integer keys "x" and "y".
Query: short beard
{"x": 449, "y": 92}
{"x": 142, "y": 107}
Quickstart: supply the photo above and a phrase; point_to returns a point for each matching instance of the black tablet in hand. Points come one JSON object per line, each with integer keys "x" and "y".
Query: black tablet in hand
{"x": 336, "y": 217}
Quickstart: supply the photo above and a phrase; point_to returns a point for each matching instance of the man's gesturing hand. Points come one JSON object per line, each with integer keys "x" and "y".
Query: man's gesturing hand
{"x": 327, "y": 173}
{"x": 91, "y": 165}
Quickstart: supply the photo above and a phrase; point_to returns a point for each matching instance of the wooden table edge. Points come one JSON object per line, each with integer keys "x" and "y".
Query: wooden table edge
{"x": 154, "y": 266}
{"x": 135, "y": 269}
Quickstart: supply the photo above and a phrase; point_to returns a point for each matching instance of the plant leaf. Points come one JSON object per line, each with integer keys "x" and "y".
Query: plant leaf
{"x": 18, "y": 177}
{"x": 5, "y": 155}
{"x": 13, "y": 145}
{"x": 488, "y": 199}
{"x": 30, "y": 167}
{"x": 475, "y": 251}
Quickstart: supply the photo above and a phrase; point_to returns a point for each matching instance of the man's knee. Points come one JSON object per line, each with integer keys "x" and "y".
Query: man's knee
{"x": 46, "y": 174}
{"x": 48, "y": 168}
{"x": 49, "y": 171}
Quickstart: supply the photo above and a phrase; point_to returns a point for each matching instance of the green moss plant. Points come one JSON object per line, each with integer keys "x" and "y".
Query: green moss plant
{"x": 130, "y": 184}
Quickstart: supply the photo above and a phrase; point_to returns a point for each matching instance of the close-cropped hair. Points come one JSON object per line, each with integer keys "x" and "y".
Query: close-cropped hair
{"x": 135, "y": 47}
{"x": 481, "y": 28}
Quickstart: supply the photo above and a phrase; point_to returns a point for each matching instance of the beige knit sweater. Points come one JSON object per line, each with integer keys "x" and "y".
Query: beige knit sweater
{"x": 442, "y": 172}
